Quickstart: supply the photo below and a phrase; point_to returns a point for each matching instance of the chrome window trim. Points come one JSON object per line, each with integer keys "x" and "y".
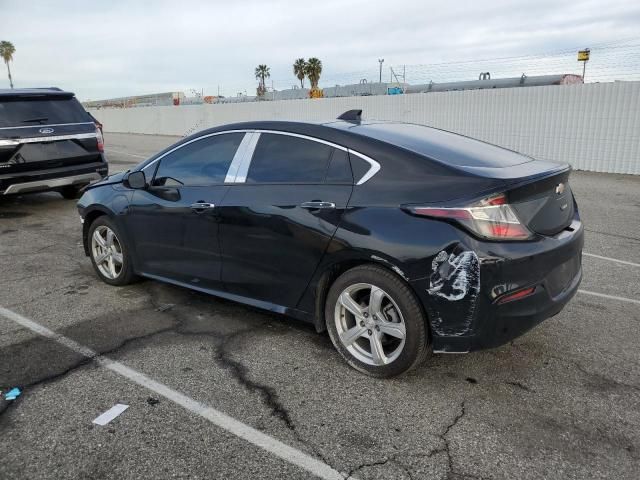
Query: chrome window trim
{"x": 244, "y": 166}
{"x": 155, "y": 160}
{"x": 374, "y": 166}
{"x": 54, "y": 138}
{"x": 238, "y": 158}
{"x": 241, "y": 162}
{"x": 48, "y": 125}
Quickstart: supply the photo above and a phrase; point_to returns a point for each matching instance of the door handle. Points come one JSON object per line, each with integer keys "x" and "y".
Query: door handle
{"x": 317, "y": 204}
{"x": 202, "y": 206}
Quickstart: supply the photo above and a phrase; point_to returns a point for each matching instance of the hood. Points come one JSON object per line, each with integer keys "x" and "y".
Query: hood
{"x": 110, "y": 180}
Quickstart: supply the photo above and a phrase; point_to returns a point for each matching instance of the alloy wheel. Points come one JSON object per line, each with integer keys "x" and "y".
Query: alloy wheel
{"x": 369, "y": 324}
{"x": 107, "y": 252}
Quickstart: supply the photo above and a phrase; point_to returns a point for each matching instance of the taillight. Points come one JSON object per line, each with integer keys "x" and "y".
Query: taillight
{"x": 491, "y": 218}
{"x": 100, "y": 138}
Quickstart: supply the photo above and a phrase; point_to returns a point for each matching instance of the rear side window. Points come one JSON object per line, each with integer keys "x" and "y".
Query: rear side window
{"x": 287, "y": 159}
{"x": 200, "y": 163}
{"x": 339, "y": 170}
{"x": 23, "y": 112}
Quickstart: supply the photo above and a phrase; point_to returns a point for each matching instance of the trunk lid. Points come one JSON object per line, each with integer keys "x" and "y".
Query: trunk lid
{"x": 545, "y": 205}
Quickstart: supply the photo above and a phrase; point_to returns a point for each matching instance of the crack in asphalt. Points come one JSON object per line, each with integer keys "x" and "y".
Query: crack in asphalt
{"x": 452, "y": 474}
{"x": 268, "y": 395}
{"x": 355, "y": 470}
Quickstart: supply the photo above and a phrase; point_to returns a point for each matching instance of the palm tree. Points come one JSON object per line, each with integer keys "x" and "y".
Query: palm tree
{"x": 6, "y": 52}
{"x": 300, "y": 70}
{"x": 262, "y": 72}
{"x": 313, "y": 71}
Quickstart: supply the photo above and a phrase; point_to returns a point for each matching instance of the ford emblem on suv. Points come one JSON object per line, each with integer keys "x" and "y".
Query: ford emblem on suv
{"x": 46, "y": 130}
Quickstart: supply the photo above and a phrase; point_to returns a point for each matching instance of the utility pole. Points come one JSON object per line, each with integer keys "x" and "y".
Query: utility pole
{"x": 380, "y": 61}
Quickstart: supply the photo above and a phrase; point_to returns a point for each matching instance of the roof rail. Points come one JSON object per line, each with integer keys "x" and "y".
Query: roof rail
{"x": 351, "y": 116}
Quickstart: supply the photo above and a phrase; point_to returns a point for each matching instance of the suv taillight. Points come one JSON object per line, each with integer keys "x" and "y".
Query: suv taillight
{"x": 100, "y": 138}
{"x": 491, "y": 218}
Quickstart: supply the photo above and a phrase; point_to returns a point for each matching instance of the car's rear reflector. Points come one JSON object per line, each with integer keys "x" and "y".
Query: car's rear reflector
{"x": 517, "y": 295}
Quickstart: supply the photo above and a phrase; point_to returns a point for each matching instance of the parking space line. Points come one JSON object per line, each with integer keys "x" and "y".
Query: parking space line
{"x": 218, "y": 418}
{"x": 111, "y": 150}
{"x": 624, "y": 262}
{"x": 610, "y": 297}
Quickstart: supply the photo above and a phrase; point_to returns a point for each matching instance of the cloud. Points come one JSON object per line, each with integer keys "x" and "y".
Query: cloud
{"x": 106, "y": 49}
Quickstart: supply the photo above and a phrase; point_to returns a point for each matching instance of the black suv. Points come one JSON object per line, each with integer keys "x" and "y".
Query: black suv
{"x": 48, "y": 142}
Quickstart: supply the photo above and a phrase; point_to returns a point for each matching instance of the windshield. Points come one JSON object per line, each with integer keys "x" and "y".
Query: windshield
{"x": 19, "y": 112}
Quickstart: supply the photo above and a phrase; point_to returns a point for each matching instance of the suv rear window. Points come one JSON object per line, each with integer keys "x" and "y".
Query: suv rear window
{"x": 23, "y": 112}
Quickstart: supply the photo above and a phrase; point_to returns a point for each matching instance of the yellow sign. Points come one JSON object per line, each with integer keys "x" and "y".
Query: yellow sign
{"x": 583, "y": 55}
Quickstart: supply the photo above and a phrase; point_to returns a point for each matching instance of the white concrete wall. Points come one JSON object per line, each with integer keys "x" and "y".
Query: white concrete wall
{"x": 593, "y": 127}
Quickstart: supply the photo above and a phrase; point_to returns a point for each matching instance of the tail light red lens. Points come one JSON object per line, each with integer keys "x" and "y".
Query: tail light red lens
{"x": 100, "y": 139}
{"x": 517, "y": 295}
{"x": 491, "y": 218}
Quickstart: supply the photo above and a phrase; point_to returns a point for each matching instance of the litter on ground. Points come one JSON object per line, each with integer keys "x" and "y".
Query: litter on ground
{"x": 110, "y": 414}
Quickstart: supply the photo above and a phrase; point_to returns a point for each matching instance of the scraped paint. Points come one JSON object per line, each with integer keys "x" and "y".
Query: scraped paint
{"x": 454, "y": 276}
{"x": 454, "y": 283}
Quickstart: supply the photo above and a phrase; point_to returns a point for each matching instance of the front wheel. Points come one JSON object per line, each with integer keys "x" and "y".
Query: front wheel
{"x": 375, "y": 322}
{"x": 109, "y": 253}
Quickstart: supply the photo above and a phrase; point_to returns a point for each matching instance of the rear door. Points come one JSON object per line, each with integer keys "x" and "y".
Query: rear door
{"x": 39, "y": 132}
{"x": 175, "y": 220}
{"x": 279, "y": 216}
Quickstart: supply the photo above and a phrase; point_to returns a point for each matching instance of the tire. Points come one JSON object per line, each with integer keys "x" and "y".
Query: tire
{"x": 382, "y": 327}
{"x": 70, "y": 192}
{"x": 111, "y": 259}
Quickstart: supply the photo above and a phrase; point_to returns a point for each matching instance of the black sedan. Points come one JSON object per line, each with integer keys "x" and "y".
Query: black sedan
{"x": 399, "y": 239}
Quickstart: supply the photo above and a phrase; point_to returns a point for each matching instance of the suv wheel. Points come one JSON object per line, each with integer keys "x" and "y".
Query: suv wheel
{"x": 375, "y": 322}
{"x": 109, "y": 254}
{"x": 70, "y": 192}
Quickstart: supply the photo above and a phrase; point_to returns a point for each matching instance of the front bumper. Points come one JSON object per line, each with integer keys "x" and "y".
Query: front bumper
{"x": 51, "y": 179}
{"x": 552, "y": 265}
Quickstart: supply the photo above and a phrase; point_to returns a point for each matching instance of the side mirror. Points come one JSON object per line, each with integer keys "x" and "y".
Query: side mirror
{"x": 136, "y": 180}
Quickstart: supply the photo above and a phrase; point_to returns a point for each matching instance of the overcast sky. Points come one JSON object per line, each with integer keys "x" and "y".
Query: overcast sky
{"x": 115, "y": 48}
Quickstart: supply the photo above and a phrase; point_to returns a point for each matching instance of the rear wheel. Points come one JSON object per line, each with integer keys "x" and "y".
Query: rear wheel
{"x": 375, "y": 322}
{"x": 109, "y": 254}
{"x": 70, "y": 192}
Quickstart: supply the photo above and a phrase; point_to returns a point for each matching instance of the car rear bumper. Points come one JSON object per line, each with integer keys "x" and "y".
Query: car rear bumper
{"x": 51, "y": 179}
{"x": 553, "y": 267}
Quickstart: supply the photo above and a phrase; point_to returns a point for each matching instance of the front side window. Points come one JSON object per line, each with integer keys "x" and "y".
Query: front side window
{"x": 200, "y": 163}
{"x": 288, "y": 159}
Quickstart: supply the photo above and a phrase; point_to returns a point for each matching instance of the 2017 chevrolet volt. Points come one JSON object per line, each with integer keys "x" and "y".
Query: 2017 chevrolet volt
{"x": 398, "y": 239}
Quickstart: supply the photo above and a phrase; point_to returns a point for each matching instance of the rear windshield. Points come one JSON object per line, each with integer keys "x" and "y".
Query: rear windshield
{"x": 443, "y": 146}
{"x": 19, "y": 112}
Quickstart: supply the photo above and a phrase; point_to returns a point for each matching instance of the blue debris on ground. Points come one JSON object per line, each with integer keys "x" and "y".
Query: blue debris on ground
{"x": 12, "y": 394}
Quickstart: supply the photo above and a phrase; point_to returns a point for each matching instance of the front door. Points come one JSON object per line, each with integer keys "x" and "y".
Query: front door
{"x": 277, "y": 224}
{"x": 175, "y": 220}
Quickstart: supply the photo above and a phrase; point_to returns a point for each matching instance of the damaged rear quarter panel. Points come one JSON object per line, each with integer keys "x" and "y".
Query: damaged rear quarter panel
{"x": 454, "y": 287}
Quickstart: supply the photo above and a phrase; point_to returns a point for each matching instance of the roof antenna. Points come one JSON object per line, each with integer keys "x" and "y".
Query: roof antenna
{"x": 351, "y": 116}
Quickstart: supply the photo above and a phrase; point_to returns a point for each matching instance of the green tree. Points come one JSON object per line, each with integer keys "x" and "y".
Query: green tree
{"x": 313, "y": 71}
{"x": 300, "y": 70}
{"x": 6, "y": 52}
{"x": 262, "y": 73}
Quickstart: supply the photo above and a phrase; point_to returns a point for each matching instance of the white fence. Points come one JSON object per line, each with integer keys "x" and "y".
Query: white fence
{"x": 593, "y": 127}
